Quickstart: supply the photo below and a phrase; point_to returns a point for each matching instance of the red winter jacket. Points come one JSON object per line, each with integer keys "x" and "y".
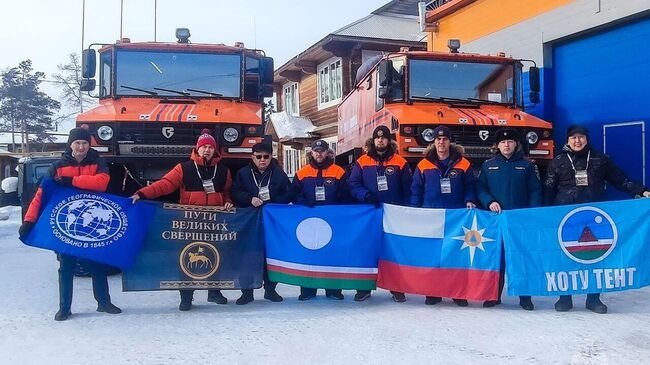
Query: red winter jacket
{"x": 89, "y": 174}
{"x": 188, "y": 176}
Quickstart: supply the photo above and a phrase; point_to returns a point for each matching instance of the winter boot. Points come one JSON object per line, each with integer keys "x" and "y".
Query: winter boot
{"x": 361, "y": 295}
{"x": 461, "y": 302}
{"x": 109, "y": 308}
{"x": 491, "y": 303}
{"x": 307, "y": 293}
{"x": 186, "y": 300}
{"x": 526, "y": 303}
{"x": 334, "y": 294}
{"x": 215, "y": 296}
{"x": 246, "y": 297}
{"x": 62, "y": 315}
{"x": 272, "y": 295}
{"x": 564, "y": 304}
{"x": 594, "y": 304}
{"x": 398, "y": 297}
{"x": 432, "y": 300}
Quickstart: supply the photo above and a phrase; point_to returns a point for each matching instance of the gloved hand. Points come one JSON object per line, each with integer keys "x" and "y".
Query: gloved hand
{"x": 372, "y": 198}
{"x": 25, "y": 228}
{"x": 64, "y": 180}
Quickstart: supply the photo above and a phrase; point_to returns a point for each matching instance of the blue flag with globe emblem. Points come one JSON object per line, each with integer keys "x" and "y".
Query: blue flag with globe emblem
{"x": 90, "y": 225}
{"x": 577, "y": 249}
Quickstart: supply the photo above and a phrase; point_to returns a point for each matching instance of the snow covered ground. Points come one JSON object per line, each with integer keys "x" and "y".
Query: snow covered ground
{"x": 152, "y": 330}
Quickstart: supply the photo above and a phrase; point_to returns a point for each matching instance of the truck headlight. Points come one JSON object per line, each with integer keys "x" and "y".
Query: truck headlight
{"x": 105, "y": 133}
{"x": 532, "y": 137}
{"x": 230, "y": 134}
{"x": 427, "y": 135}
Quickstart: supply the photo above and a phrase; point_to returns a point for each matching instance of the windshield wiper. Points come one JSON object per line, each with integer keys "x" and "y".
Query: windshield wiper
{"x": 142, "y": 90}
{"x": 205, "y": 92}
{"x": 184, "y": 93}
{"x": 491, "y": 102}
{"x": 443, "y": 99}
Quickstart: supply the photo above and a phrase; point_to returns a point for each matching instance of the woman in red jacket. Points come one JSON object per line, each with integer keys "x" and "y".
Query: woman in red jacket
{"x": 202, "y": 181}
{"x": 82, "y": 168}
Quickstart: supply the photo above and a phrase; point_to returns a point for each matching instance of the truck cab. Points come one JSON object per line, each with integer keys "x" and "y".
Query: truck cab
{"x": 413, "y": 92}
{"x": 156, "y": 98}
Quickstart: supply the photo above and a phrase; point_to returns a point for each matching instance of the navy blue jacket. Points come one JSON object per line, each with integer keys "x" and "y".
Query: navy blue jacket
{"x": 426, "y": 191}
{"x": 363, "y": 178}
{"x": 332, "y": 177}
{"x": 513, "y": 183}
{"x": 244, "y": 187}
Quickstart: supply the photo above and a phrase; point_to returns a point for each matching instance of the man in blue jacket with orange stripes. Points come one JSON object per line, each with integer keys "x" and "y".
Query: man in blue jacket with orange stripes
{"x": 321, "y": 182}
{"x": 381, "y": 176}
{"x": 443, "y": 179}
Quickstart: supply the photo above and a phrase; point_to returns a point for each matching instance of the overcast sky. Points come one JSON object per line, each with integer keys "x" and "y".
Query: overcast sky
{"x": 46, "y": 31}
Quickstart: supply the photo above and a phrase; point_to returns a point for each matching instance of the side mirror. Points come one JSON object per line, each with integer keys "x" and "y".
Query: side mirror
{"x": 385, "y": 70}
{"x": 88, "y": 63}
{"x": 267, "y": 91}
{"x": 533, "y": 79}
{"x": 266, "y": 70}
{"x": 87, "y": 85}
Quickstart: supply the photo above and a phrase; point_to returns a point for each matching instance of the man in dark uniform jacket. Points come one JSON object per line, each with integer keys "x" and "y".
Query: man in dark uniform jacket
{"x": 579, "y": 175}
{"x": 261, "y": 181}
{"x": 508, "y": 181}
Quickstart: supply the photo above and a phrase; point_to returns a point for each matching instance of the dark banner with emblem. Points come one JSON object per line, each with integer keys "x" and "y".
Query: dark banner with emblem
{"x": 199, "y": 247}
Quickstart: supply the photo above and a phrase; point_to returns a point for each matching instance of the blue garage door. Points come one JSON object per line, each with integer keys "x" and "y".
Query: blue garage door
{"x": 604, "y": 79}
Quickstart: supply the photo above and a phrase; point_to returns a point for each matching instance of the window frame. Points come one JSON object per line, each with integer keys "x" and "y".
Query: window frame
{"x": 286, "y": 86}
{"x": 321, "y": 67}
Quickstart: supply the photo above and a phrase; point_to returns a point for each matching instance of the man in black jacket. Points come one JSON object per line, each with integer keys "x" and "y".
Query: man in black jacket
{"x": 260, "y": 182}
{"x": 579, "y": 175}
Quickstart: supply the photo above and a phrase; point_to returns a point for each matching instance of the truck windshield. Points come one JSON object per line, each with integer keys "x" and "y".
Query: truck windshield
{"x": 177, "y": 73}
{"x": 473, "y": 82}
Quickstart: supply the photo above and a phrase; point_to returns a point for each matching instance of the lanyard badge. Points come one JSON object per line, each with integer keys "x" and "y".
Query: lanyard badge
{"x": 320, "y": 193}
{"x": 382, "y": 183}
{"x": 208, "y": 186}
{"x": 581, "y": 178}
{"x": 445, "y": 185}
{"x": 264, "y": 193}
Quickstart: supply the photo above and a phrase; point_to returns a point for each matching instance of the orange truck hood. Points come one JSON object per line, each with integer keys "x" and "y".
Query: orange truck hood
{"x": 173, "y": 110}
{"x": 487, "y": 115}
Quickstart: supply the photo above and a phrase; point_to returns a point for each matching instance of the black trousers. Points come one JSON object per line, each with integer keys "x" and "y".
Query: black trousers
{"x": 99, "y": 276}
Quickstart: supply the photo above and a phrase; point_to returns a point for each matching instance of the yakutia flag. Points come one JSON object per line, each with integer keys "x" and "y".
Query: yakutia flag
{"x": 328, "y": 247}
{"x": 452, "y": 253}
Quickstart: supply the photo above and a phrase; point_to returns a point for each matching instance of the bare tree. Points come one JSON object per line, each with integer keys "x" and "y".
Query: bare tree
{"x": 69, "y": 80}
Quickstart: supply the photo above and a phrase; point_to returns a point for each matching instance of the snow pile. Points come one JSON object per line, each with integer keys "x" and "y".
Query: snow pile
{"x": 152, "y": 330}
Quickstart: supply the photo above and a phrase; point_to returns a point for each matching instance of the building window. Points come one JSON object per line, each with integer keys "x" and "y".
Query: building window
{"x": 291, "y": 99}
{"x": 291, "y": 160}
{"x": 330, "y": 85}
{"x": 332, "y": 141}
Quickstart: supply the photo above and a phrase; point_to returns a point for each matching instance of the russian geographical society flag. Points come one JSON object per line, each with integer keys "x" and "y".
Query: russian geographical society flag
{"x": 95, "y": 226}
{"x": 453, "y": 253}
{"x": 329, "y": 247}
{"x": 578, "y": 249}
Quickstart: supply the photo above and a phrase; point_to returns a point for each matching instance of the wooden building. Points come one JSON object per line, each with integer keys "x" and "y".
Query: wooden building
{"x": 311, "y": 85}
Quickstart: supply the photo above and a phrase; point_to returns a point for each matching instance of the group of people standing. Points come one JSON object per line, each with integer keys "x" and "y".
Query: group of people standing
{"x": 442, "y": 179}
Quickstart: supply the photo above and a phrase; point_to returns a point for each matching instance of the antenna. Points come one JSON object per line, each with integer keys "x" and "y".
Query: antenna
{"x": 83, "y": 23}
{"x": 155, "y": 18}
{"x": 254, "y": 33}
{"x": 121, "y": 16}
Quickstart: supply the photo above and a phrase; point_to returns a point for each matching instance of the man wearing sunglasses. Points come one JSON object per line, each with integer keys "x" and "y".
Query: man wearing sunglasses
{"x": 261, "y": 181}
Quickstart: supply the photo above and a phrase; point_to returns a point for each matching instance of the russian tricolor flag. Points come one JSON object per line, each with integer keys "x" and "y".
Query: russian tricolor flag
{"x": 452, "y": 253}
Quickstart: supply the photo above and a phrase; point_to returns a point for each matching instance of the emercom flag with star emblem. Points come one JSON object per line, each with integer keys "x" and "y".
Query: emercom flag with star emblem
{"x": 451, "y": 253}
{"x": 328, "y": 247}
{"x": 578, "y": 249}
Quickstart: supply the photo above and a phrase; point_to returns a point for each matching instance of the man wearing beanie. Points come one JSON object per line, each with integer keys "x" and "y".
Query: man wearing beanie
{"x": 508, "y": 181}
{"x": 443, "y": 179}
{"x": 82, "y": 168}
{"x": 261, "y": 182}
{"x": 380, "y": 176}
{"x": 579, "y": 175}
{"x": 202, "y": 181}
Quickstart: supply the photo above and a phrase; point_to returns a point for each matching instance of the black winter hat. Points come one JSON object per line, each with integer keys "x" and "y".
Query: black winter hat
{"x": 262, "y": 147}
{"x": 320, "y": 145}
{"x": 442, "y": 131}
{"x": 78, "y": 134}
{"x": 382, "y": 131}
{"x": 507, "y": 133}
{"x": 576, "y": 129}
